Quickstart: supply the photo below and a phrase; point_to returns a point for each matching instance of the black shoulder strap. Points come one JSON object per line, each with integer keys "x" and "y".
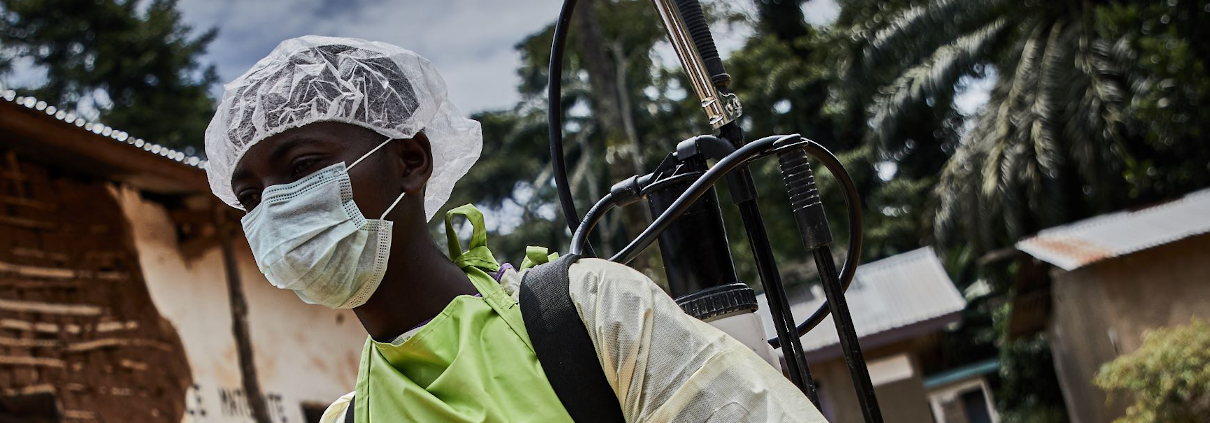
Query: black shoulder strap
{"x": 562, "y": 344}
{"x": 349, "y": 411}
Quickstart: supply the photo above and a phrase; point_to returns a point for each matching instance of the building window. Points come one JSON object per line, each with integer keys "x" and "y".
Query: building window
{"x": 312, "y": 412}
{"x": 966, "y": 402}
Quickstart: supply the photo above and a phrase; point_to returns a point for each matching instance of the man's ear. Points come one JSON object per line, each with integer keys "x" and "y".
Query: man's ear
{"x": 416, "y": 155}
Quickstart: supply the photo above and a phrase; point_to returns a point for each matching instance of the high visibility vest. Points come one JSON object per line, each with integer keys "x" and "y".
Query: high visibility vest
{"x": 474, "y": 362}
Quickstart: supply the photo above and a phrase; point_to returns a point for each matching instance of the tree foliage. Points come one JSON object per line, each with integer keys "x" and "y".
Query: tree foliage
{"x": 1070, "y": 129}
{"x": 1029, "y": 388}
{"x": 516, "y": 178}
{"x": 1162, "y": 50}
{"x": 1168, "y": 376}
{"x": 134, "y": 62}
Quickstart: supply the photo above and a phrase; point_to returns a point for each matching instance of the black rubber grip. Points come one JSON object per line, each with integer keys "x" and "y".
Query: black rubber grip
{"x": 804, "y": 198}
{"x": 699, "y": 30}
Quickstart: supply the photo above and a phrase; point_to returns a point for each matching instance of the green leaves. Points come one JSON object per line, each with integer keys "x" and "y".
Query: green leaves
{"x": 1159, "y": 48}
{"x": 1168, "y": 376}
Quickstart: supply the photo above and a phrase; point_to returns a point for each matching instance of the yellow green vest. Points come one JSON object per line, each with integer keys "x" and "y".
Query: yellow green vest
{"x": 472, "y": 363}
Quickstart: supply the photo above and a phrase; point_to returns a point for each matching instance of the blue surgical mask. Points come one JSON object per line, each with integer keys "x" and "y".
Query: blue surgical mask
{"x": 308, "y": 236}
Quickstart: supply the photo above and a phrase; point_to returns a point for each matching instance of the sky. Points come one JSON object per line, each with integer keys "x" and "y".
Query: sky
{"x": 470, "y": 41}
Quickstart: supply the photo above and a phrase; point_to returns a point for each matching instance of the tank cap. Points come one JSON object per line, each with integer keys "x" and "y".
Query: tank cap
{"x": 719, "y": 301}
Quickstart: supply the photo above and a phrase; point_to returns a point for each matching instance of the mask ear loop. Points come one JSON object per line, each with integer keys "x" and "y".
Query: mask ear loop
{"x": 363, "y": 157}
{"x": 392, "y": 206}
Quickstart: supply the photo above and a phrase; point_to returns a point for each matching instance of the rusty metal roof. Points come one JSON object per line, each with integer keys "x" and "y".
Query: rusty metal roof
{"x": 72, "y": 119}
{"x": 891, "y": 299}
{"x": 1088, "y": 241}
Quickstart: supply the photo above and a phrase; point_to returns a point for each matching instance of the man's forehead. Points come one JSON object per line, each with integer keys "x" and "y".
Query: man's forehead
{"x": 327, "y": 134}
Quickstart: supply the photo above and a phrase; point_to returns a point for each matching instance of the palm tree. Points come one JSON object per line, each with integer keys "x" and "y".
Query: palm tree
{"x": 1049, "y": 145}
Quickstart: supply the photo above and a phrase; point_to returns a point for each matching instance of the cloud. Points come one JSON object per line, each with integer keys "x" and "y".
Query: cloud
{"x": 820, "y": 12}
{"x": 973, "y": 92}
{"x": 470, "y": 41}
{"x": 23, "y": 74}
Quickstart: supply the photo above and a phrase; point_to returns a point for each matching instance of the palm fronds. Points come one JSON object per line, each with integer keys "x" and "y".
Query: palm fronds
{"x": 935, "y": 77}
{"x": 1048, "y": 147}
{"x": 914, "y": 32}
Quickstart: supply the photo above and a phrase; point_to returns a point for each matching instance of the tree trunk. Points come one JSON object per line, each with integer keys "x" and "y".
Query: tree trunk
{"x": 623, "y": 154}
{"x": 784, "y": 19}
{"x": 239, "y": 320}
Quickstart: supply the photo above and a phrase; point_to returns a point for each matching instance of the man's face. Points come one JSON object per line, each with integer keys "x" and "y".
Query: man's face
{"x": 401, "y": 165}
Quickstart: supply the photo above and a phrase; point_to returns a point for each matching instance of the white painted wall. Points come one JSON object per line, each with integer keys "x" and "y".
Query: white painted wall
{"x": 303, "y": 353}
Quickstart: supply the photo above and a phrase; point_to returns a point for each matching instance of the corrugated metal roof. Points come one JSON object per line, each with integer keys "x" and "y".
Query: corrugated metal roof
{"x": 72, "y": 119}
{"x": 1088, "y": 241}
{"x": 887, "y": 294}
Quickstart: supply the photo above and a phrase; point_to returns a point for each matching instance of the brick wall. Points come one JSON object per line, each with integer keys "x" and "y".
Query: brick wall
{"x": 79, "y": 335}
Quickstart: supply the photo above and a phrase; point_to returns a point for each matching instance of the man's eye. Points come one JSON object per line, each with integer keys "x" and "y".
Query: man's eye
{"x": 249, "y": 199}
{"x": 300, "y": 166}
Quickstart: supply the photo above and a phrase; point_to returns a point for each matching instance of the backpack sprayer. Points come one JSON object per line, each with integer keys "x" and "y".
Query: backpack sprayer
{"x": 689, "y": 223}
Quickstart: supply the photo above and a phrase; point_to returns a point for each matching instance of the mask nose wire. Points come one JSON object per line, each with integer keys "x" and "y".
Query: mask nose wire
{"x": 363, "y": 157}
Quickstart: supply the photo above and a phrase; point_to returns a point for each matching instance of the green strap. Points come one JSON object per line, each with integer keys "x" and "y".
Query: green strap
{"x": 478, "y": 256}
{"x": 537, "y": 255}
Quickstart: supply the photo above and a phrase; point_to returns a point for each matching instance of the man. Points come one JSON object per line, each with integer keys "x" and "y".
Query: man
{"x": 326, "y": 131}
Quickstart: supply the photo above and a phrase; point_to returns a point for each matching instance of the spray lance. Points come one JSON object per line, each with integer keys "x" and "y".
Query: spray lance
{"x": 689, "y": 224}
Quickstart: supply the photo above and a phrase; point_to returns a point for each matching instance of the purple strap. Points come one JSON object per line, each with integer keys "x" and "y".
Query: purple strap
{"x": 500, "y": 273}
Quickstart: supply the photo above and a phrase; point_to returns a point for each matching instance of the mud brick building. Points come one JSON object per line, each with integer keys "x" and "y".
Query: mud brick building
{"x": 127, "y": 293}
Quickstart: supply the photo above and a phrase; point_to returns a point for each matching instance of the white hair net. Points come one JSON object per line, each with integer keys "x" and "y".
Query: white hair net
{"x": 378, "y": 86}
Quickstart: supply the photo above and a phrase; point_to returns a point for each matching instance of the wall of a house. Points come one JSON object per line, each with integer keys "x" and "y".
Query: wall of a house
{"x": 902, "y": 401}
{"x": 303, "y": 354}
{"x": 1101, "y": 311}
{"x": 80, "y": 337}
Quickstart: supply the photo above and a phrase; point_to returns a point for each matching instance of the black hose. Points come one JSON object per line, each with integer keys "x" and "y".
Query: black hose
{"x": 695, "y": 190}
{"x": 554, "y": 115}
{"x": 598, "y": 210}
{"x": 720, "y": 169}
